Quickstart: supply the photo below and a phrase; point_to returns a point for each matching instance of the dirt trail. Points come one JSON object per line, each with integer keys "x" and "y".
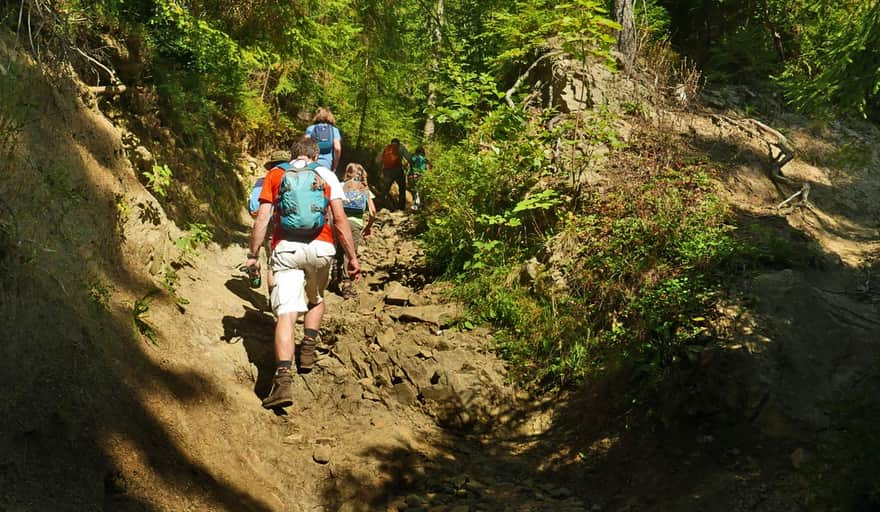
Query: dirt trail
{"x": 121, "y": 395}
{"x": 407, "y": 410}
{"x": 404, "y": 412}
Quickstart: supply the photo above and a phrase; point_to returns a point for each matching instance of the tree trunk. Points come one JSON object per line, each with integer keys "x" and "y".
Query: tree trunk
{"x": 626, "y": 38}
{"x": 365, "y": 103}
{"x": 437, "y": 39}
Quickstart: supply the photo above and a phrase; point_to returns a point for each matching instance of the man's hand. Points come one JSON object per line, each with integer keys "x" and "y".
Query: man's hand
{"x": 367, "y": 231}
{"x": 354, "y": 269}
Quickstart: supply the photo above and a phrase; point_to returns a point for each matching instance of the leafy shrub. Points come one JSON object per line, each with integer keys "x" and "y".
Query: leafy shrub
{"x": 641, "y": 278}
{"x": 158, "y": 179}
{"x": 629, "y": 276}
{"x": 139, "y": 313}
{"x": 197, "y": 234}
{"x": 484, "y": 201}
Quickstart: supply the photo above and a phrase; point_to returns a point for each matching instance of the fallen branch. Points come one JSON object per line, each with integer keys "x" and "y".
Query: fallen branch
{"x": 804, "y": 192}
{"x": 95, "y": 62}
{"x": 508, "y": 96}
{"x": 108, "y": 89}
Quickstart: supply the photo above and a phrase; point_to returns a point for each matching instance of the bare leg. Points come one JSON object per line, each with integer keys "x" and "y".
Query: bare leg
{"x": 313, "y": 317}
{"x": 284, "y": 330}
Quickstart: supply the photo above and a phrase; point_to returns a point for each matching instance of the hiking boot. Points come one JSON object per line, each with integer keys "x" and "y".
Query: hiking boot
{"x": 308, "y": 354}
{"x": 280, "y": 396}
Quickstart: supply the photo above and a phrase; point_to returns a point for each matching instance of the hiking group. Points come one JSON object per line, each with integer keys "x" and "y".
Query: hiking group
{"x": 310, "y": 224}
{"x": 300, "y": 197}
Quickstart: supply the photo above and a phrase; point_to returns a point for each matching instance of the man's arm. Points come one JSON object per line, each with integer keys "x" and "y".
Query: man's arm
{"x": 342, "y": 229}
{"x": 258, "y": 234}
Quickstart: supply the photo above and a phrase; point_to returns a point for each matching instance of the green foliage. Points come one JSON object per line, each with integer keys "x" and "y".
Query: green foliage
{"x": 170, "y": 280}
{"x": 839, "y": 63}
{"x": 479, "y": 197}
{"x": 158, "y": 180}
{"x": 197, "y": 234}
{"x": 123, "y": 210}
{"x": 465, "y": 96}
{"x": 642, "y": 262}
{"x": 580, "y": 26}
{"x": 742, "y": 54}
{"x": 139, "y": 312}
{"x": 824, "y": 54}
{"x": 652, "y": 19}
{"x": 99, "y": 294}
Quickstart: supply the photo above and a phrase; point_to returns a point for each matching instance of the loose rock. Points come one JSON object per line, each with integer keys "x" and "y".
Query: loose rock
{"x": 321, "y": 454}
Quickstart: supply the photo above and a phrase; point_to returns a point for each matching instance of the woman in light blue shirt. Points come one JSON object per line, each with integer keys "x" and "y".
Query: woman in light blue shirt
{"x": 323, "y": 130}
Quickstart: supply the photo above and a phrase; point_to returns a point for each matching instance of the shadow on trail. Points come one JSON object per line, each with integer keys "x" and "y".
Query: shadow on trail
{"x": 591, "y": 455}
{"x": 81, "y": 407}
{"x": 80, "y": 380}
{"x": 717, "y": 433}
{"x": 257, "y": 298}
{"x": 256, "y": 331}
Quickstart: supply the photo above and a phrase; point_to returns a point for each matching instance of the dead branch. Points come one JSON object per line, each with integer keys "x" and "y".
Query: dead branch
{"x": 108, "y": 89}
{"x": 508, "y": 96}
{"x": 59, "y": 28}
{"x": 804, "y": 192}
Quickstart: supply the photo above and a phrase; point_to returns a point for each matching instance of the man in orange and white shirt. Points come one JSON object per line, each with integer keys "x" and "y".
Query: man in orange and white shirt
{"x": 301, "y": 269}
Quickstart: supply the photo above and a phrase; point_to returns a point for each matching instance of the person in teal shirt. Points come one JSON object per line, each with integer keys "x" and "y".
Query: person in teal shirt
{"x": 417, "y": 167}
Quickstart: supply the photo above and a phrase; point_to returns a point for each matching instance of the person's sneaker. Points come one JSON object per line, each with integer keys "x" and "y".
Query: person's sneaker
{"x": 308, "y": 354}
{"x": 280, "y": 396}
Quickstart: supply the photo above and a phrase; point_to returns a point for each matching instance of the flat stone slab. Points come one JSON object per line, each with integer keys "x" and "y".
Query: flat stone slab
{"x": 440, "y": 315}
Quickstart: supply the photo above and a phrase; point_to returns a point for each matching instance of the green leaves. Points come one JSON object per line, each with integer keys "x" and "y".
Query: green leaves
{"x": 839, "y": 67}
{"x": 580, "y": 26}
{"x": 158, "y": 179}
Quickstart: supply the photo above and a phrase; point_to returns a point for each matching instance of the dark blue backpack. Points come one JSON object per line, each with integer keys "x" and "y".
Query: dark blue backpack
{"x": 301, "y": 206}
{"x": 323, "y": 134}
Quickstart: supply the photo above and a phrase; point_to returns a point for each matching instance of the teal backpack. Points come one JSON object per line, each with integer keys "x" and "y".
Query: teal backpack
{"x": 301, "y": 206}
{"x": 418, "y": 164}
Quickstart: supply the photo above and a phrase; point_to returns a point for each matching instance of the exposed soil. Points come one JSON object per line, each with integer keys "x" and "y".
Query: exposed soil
{"x": 103, "y": 408}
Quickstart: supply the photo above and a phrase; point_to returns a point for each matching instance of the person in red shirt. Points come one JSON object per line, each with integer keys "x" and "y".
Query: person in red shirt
{"x": 394, "y": 159}
{"x": 301, "y": 269}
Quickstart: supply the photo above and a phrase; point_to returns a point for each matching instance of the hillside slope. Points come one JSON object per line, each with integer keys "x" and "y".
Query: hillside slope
{"x": 134, "y": 357}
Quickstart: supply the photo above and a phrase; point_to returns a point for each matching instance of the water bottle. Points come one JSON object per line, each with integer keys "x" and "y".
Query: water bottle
{"x": 254, "y": 276}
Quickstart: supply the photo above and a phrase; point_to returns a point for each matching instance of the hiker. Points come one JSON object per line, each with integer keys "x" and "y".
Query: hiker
{"x": 358, "y": 203}
{"x": 301, "y": 193}
{"x": 419, "y": 165}
{"x": 324, "y": 131}
{"x": 394, "y": 158}
{"x": 275, "y": 158}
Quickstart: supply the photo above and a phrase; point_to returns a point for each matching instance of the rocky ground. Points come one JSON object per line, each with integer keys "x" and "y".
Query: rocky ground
{"x": 134, "y": 359}
{"x": 404, "y": 411}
